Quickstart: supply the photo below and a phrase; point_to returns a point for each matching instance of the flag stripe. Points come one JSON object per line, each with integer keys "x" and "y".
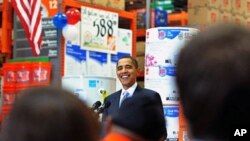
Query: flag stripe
{"x": 35, "y": 14}
{"x": 24, "y": 10}
{"x": 36, "y": 25}
{"x": 29, "y": 14}
{"x": 23, "y": 22}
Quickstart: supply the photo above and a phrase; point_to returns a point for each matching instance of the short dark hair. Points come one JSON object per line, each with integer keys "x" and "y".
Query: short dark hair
{"x": 50, "y": 114}
{"x": 213, "y": 77}
{"x": 134, "y": 61}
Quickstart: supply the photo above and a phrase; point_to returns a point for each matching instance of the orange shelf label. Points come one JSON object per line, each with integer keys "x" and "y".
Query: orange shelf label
{"x": 49, "y": 8}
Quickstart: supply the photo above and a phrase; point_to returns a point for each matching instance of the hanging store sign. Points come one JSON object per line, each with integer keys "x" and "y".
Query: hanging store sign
{"x": 49, "y": 8}
{"x": 99, "y": 30}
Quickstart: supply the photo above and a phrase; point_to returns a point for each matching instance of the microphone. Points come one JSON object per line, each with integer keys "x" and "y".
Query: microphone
{"x": 96, "y": 105}
{"x": 103, "y": 107}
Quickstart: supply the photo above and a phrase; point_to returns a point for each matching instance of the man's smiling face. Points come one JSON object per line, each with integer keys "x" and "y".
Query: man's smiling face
{"x": 126, "y": 72}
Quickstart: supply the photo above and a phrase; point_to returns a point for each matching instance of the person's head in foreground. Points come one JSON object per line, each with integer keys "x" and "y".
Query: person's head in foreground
{"x": 213, "y": 78}
{"x": 140, "y": 118}
{"x": 49, "y": 114}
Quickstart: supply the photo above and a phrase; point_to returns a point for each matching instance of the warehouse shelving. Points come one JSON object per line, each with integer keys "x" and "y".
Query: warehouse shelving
{"x": 6, "y": 11}
{"x": 129, "y": 16}
{"x": 180, "y": 18}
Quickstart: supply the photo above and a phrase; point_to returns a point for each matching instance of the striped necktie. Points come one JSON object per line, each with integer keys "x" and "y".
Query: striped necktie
{"x": 125, "y": 96}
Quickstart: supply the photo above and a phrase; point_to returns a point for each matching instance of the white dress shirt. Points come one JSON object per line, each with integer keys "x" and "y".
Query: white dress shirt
{"x": 130, "y": 90}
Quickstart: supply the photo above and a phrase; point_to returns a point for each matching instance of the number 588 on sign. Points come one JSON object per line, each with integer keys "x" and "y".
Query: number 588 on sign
{"x": 99, "y": 30}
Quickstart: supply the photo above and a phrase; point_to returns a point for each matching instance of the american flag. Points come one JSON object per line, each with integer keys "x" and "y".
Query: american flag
{"x": 29, "y": 14}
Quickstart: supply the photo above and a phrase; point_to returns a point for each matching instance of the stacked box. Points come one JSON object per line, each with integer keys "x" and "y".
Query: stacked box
{"x": 246, "y": 12}
{"x": 226, "y": 17}
{"x": 209, "y": 12}
{"x": 140, "y": 56}
{"x": 203, "y": 15}
{"x": 161, "y": 52}
{"x": 226, "y": 14}
{"x": 140, "y": 48}
{"x": 237, "y": 6}
{"x": 237, "y": 10}
{"x": 238, "y": 19}
{"x": 141, "y": 62}
{"x": 203, "y": 3}
{"x": 118, "y": 4}
{"x": 162, "y": 48}
{"x": 203, "y": 12}
{"x": 226, "y": 5}
{"x": 246, "y": 7}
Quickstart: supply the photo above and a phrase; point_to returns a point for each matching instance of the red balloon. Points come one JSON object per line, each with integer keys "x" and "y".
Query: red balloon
{"x": 73, "y": 15}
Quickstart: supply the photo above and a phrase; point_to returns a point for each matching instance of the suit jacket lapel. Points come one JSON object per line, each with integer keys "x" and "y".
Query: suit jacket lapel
{"x": 116, "y": 101}
{"x": 137, "y": 90}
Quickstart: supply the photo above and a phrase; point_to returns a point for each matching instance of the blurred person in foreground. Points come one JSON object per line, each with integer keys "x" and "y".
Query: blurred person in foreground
{"x": 213, "y": 78}
{"x": 49, "y": 114}
{"x": 139, "y": 119}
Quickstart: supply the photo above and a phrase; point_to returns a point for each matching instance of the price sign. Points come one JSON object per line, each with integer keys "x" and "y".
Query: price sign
{"x": 49, "y": 8}
{"x": 99, "y": 30}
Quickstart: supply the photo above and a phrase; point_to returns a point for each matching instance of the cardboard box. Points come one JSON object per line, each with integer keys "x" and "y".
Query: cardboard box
{"x": 246, "y": 7}
{"x": 117, "y": 4}
{"x": 141, "y": 62}
{"x": 226, "y": 17}
{"x": 238, "y": 19}
{"x": 209, "y": 12}
{"x": 140, "y": 83}
{"x": 201, "y": 27}
{"x": 203, "y": 15}
{"x": 140, "y": 48}
{"x": 203, "y": 3}
{"x": 246, "y": 21}
{"x": 226, "y": 5}
{"x": 238, "y": 6}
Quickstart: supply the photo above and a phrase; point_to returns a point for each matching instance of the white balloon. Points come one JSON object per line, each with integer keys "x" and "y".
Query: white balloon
{"x": 70, "y": 32}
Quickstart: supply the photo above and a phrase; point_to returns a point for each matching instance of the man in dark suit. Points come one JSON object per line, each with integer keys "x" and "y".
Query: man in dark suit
{"x": 139, "y": 119}
{"x": 127, "y": 70}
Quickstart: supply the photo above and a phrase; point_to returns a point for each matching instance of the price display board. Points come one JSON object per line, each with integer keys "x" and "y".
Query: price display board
{"x": 99, "y": 30}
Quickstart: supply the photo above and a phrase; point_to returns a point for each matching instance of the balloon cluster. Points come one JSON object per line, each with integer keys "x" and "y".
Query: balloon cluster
{"x": 67, "y": 22}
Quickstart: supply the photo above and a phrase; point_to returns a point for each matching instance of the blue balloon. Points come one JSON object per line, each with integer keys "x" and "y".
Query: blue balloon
{"x": 60, "y": 20}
